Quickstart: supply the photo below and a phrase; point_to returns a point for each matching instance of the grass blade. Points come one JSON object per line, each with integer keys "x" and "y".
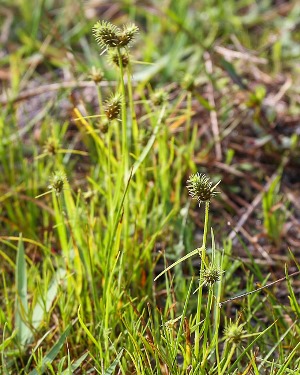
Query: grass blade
{"x": 113, "y": 366}
{"x": 21, "y": 305}
{"x": 75, "y": 365}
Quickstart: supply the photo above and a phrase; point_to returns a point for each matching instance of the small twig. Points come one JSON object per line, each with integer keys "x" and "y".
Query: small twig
{"x": 257, "y": 290}
{"x": 230, "y": 54}
{"x": 5, "y": 99}
{"x": 272, "y": 101}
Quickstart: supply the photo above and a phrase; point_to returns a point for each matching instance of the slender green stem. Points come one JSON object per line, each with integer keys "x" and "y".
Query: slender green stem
{"x": 109, "y": 176}
{"x": 205, "y": 227}
{"x": 135, "y": 129}
{"x": 116, "y": 204}
{"x": 207, "y": 322}
{"x": 125, "y": 159}
{"x": 125, "y": 149}
{"x": 228, "y": 358}
{"x": 199, "y": 302}
{"x": 125, "y": 153}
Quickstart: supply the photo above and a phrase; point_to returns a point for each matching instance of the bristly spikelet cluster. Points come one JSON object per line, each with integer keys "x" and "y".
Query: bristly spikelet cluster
{"x": 127, "y": 35}
{"x": 113, "y": 106}
{"x": 233, "y": 333}
{"x": 96, "y": 74}
{"x": 57, "y": 182}
{"x": 113, "y": 58}
{"x": 200, "y": 187}
{"x": 108, "y": 35}
{"x": 211, "y": 275}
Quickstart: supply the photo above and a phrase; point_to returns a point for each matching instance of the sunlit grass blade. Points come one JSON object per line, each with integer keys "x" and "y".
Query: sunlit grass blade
{"x": 87, "y": 331}
{"x": 192, "y": 253}
{"x": 294, "y": 352}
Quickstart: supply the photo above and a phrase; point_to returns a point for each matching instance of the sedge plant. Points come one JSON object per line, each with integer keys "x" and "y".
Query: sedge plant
{"x": 87, "y": 301}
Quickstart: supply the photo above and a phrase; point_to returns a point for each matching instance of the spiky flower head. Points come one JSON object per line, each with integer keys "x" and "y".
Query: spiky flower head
{"x": 108, "y": 35}
{"x": 211, "y": 275}
{"x": 113, "y": 58}
{"x": 113, "y": 106}
{"x": 234, "y": 332}
{"x": 128, "y": 34}
{"x": 200, "y": 187}
{"x": 96, "y": 74}
{"x": 57, "y": 182}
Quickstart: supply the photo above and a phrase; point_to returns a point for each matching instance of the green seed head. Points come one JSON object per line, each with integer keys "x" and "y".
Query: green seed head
{"x": 200, "y": 187}
{"x": 113, "y": 58}
{"x": 211, "y": 275}
{"x": 234, "y": 332}
{"x": 127, "y": 35}
{"x": 96, "y": 75}
{"x": 57, "y": 182}
{"x": 113, "y": 106}
{"x": 108, "y": 35}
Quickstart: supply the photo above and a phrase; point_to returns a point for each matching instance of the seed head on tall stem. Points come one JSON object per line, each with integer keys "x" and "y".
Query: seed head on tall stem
{"x": 200, "y": 187}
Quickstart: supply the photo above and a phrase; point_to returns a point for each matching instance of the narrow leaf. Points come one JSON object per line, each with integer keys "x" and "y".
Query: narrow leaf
{"x": 21, "y": 304}
{"x": 194, "y": 252}
{"x": 113, "y": 366}
{"x": 75, "y": 365}
{"x": 51, "y": 355}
